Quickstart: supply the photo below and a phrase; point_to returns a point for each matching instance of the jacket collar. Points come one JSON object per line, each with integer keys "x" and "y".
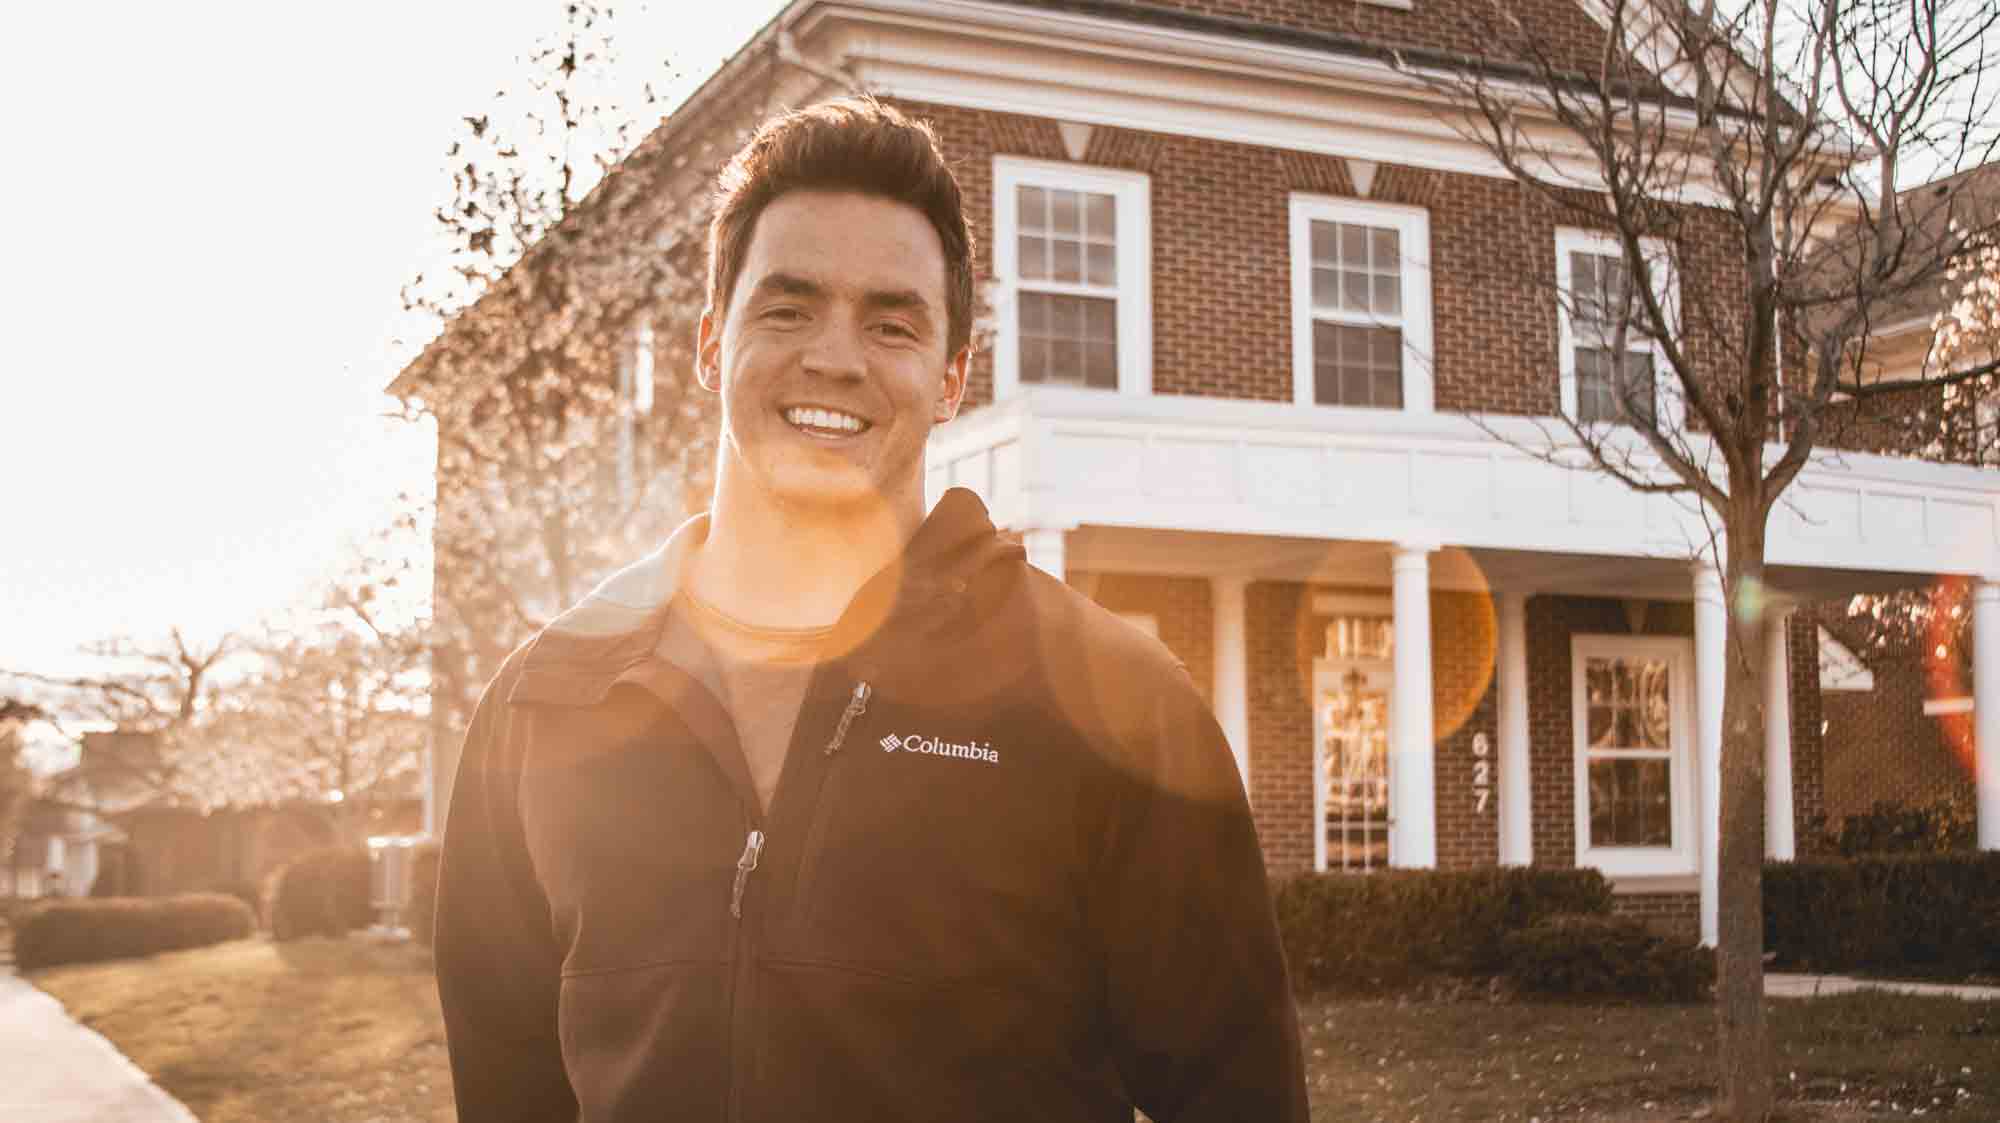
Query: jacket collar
{"x": 612, "y": 634}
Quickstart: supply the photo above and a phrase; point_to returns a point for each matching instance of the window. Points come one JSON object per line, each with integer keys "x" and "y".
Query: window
{"x": 1071, "y": 246}
{"x": 1634, "y": 803}
{"x": 1361, "y": 304}
{"x": 1602, "y": 381}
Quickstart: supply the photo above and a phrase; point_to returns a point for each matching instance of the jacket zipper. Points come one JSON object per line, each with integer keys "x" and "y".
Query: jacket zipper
{"x": 753, "y": 848}
{"x": 740, "y": 1011}
{"x": 857, "y": 704}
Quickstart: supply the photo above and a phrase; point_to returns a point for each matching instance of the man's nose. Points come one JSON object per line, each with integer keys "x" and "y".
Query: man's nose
{"x": 837, "y": 350}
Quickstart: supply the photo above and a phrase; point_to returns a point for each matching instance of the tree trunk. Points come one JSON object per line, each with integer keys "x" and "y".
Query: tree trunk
{"x": 1739, "y": 993}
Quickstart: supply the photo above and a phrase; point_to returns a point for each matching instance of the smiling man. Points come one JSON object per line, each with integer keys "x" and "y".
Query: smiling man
{"x": 832, "y": 809}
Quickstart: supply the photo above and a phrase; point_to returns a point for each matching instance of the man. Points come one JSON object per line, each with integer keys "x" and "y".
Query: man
{"x": 832, "y": 810}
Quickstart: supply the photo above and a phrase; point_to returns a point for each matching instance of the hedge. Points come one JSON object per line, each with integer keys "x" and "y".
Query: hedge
{"x": 86, "y": 930}
{"x": 322, "y": 893}
{"x": 1921, "y": 913}
{"x": 1598, "y": 957}
{"x": 1397, "y": 928}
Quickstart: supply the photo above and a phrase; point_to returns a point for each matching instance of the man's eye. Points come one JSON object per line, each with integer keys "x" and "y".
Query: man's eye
{"x": 896, "y": 330}
{"x": 784, "y": 313}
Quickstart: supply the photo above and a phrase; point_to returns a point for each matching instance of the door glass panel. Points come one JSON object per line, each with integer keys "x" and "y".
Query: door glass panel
{"x": 1353, "y": 721}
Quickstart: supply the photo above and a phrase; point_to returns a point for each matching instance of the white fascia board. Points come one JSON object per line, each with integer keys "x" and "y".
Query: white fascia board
{"x": 1111, "y": 72}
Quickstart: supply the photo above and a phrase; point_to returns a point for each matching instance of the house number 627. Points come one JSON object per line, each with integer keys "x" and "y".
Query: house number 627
{"x": 1482, "y": 771}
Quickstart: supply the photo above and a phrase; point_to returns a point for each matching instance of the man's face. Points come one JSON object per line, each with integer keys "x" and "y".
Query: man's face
{"x": 830, "y": 356}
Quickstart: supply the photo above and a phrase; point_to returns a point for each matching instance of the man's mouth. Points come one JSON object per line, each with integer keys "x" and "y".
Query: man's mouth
{"x": 821, "y": 422}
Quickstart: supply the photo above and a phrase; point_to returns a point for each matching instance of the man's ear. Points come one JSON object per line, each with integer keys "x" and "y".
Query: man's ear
{"x": 953, "y": 391}
{"x": 708, "y": 352}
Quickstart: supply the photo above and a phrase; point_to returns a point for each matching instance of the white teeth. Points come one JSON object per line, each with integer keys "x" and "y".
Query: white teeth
{"x": 824, "y": 419}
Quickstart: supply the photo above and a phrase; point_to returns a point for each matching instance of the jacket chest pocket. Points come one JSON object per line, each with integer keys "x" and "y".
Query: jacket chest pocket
{"x": 924, "y": 854}
{"x": 636, "y": 864}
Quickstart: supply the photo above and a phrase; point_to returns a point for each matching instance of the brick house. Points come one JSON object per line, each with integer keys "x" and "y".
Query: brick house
{"x": 1254, "y": 319}
{"x": 1899, "y": 723}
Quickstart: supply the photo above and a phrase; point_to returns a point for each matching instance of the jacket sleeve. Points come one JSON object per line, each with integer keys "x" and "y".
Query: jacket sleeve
{"x": 1199, "y": 1006}
{"x": 498, "y": 963}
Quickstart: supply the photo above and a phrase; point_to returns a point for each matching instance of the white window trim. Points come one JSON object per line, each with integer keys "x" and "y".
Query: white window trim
{"x": 1678, "y": 859}
{"x": 1668, "y": 405}
{"x": 1413, "y": 224}
{"x": 1133, "y": 190}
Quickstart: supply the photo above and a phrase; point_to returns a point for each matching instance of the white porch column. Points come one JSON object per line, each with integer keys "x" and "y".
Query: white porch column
{"x": 1232, "y": 667}
{"x": 1412, "y": 785}
{"x": 1986, "y": 708}
{"x": 1517, "y": 842}
{"x": 1045, "y": 549}
{"x": 1711, "y": 617}
{"x": 1780, "y": 841}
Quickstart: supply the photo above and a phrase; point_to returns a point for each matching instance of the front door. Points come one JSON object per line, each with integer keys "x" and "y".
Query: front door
{"x": 1351, "y": 764}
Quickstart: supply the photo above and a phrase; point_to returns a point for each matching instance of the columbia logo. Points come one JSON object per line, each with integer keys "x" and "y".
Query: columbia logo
{"x": 931, "y": 746}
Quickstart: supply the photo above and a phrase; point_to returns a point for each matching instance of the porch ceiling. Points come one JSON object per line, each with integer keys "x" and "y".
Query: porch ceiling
{"x": 1112, "y": 549}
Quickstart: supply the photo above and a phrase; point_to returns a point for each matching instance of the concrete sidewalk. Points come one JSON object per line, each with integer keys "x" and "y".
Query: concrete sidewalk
{"x": 53, "y": 1070}
{"x": 1778, "y": 985}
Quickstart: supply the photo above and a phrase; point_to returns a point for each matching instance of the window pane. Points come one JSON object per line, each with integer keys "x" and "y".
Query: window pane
{"x": 1631, "y": 803}
{"x": 1033, "y": 253}
{"x": 1034, "y": 360}
{"x": 1325, "y": 248}
{"x": 1653, "y": 707}
{"x": 1100, "y": 321}
{"x": 1326, "y": 288}
{"x": 1100, "y": 216}
{"x": 1353, "y": 245}
{"x": 1386, "y": 249}
{"x": 1065, "y": 213}
{"x": 1388, "y": 296}
{"x": 1101, "y": 365}
{"x": 1065, "y": 261}
{"x": 1034, "y": 314}
{"x": 1357, "y": 366}
{"x": 1033, "y": 204}
{"x": 1353, "y": 291}
{"x": 1066, "y": 317}
{"x": 1102, "y": 266}
{"x": 1065, "y": 360}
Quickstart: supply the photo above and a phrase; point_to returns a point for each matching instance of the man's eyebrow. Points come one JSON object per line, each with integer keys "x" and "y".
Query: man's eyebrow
{"x": 787, "y": 284}
{"x": 897, "y": 300}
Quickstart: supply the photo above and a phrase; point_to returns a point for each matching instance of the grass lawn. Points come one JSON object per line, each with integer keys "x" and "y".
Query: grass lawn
{"x": 258, "y": 1032}
{"x": 346, "y": 1030}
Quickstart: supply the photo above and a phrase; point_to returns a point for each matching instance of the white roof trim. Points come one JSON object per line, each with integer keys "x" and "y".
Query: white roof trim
{"x": 1840, "y": 669}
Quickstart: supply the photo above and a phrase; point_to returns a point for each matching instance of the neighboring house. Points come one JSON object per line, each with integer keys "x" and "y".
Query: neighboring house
{"x": 1898, "y": 724}
{"x": 1244, "y": 291}
{"x": 58, "y": 851}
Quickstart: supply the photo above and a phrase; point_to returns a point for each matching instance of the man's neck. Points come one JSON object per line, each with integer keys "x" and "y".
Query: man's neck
{"x": 776, "y": 565}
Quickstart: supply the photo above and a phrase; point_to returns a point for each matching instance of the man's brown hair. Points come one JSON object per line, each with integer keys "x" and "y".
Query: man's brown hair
{"x": 851, "y": 144}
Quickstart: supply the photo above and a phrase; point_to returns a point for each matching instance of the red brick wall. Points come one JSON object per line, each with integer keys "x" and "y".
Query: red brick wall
{"x": 1221, "y": 304}
{"x": 1808, "y": 753}
{"x": 1881, "y": 746}
{"x": 1676, "y": 913}
{"x": 1181, "y": 605}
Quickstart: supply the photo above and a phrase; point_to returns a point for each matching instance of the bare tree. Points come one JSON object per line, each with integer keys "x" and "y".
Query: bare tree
{"x": 562, "y": 451}
{"x": 16, "y": 782}
{"x": 1718, "y": 151}
{"x": 154, "y": 694}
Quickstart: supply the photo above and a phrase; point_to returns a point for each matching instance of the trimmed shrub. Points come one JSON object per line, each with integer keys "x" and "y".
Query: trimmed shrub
{"x": 1917, "y": 913}
{"x": 1599, "y": 957}
{"x": 322, "y": 893}
{"x": 1392, "y": 930}
{"x": 86, "y": 930}
{"x": 1891, "y": 827}
{"x": 421, "y": 916}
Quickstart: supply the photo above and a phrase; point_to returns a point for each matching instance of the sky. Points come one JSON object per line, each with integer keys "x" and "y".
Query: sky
{"x": 210, "y": 211}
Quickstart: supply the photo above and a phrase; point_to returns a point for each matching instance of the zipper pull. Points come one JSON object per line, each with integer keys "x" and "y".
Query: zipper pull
{"x": 856, "y": 704}
{"x": 752, "y": 848}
